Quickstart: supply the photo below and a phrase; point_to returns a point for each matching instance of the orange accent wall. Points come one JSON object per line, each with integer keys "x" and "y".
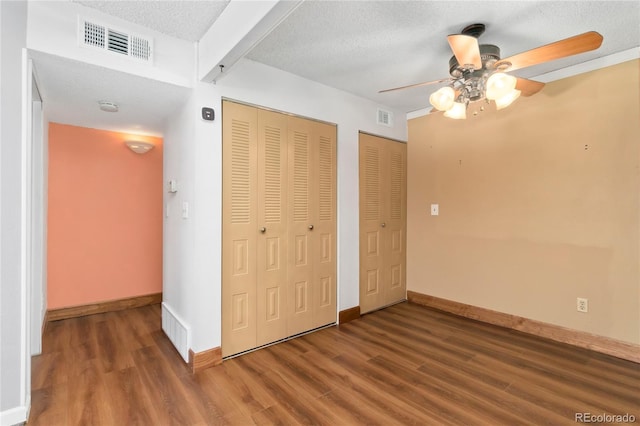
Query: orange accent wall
{"x": 104, "y": 237}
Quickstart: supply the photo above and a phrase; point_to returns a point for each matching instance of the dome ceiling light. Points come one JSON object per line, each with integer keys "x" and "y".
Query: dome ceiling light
{"x": 108, "y": 106}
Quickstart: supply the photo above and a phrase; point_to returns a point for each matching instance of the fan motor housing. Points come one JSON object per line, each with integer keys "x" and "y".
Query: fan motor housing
{"x": 489, "y": 54}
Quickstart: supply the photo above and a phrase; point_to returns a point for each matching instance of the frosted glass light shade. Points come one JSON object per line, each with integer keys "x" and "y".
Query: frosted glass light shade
{"x": 499, "y": 85}
{"x": 458, "y": 111}
{"x": 139, "y": 147}
{"x": 442, "y": 99}
{"x": 508, "y": 99}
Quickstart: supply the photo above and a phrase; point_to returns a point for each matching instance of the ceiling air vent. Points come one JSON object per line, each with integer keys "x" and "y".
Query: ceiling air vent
{"x": 118, "y": 42}
{"x": 139, "y": 48}
{"x": 106, "y": 38}
{"x": 385, "y": 118}
{"x": 94, "y": 34}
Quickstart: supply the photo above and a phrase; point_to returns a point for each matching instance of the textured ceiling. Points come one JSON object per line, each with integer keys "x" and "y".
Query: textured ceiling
{"x": 357, "y": 46}
{"x": 72, "y": 90}
{"x": 187, "y": 20}
{"x": 365, "y": 46}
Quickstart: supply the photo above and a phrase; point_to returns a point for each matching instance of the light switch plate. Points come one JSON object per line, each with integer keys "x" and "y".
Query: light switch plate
{"x": 435, "y": 209}
{"x": 173, "y": 185}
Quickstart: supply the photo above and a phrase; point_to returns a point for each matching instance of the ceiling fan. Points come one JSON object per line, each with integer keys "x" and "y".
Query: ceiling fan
{"x": 478, "y": 74}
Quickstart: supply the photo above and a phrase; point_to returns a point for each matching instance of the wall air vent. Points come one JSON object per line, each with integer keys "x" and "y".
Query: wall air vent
{"x": 95, "y": 35}
{"x": 177, "y": 331}
{"x": 385, "y": 118}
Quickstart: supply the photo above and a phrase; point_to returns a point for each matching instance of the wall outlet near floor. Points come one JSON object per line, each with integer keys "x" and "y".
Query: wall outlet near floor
{"x": 582, "y": 304}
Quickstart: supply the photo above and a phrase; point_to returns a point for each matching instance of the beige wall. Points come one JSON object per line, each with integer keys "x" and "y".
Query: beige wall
{"x": 539, "y": 204}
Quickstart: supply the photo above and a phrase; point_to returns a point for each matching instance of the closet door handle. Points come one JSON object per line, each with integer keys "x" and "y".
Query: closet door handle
{"x": 310, "y": 227}
{"x": 383, "y": 224}
{"x": 263, "y": 229}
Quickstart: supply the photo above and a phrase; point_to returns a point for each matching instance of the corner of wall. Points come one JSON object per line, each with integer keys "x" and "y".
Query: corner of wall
{"x": 14, "y": 351}
{"x": 191, "y": 249}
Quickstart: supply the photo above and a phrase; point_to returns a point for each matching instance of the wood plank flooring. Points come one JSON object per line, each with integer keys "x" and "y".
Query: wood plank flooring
{"x": 404, "y": 365}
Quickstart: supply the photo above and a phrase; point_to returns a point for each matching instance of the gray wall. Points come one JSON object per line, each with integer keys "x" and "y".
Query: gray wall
{"x": 13, "y": 22}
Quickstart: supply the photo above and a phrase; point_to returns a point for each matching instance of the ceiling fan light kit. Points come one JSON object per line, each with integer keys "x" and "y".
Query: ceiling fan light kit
{"x": 458, "y": 111}
{"x": 478, "y": 73}
{"x": 443, "y": 98}
{"x": 499, "y": 85}
{"x": 507, "y": 99}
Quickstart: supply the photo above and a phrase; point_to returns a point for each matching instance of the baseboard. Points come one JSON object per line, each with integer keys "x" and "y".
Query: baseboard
{"x": 205, "y": 359}
{"x": 582, "y": 339}
{"x": 14, "y": 416}
{"x": 102, "y": 307}
{"x": 349, "y": 315}
{"x": 45, "y": 321}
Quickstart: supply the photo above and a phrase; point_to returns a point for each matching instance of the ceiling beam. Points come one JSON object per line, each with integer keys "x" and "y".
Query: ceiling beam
{"x": 238, "y": 29}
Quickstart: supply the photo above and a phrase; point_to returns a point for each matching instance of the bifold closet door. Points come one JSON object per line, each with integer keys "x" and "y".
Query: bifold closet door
{"x": 312, "y": 225}
{"x": 324, "y": 223}
{"x": 395, "y": 240}
{"x": 254, "y": 228}
{"x": 382, "y": 222}
{"x": 271, "y": 257}
{"x": 279, "y": 226}
{"x": 240, "y": 227}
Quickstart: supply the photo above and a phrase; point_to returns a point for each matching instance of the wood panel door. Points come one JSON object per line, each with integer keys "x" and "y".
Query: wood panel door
{"x": 279, "y": 226}
{"x": 312, "y": 224}
{"x": 382, "y": 222}
{"x": 395, "y": 216}
{"x": 301, "y": 209}
{"x": 240, "y": 227}
{"x": 324, "y": 224}
{"x": 271, "y": 257}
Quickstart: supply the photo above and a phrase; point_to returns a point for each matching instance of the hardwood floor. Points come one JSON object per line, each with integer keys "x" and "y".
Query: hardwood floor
{"x": 404, "y": 365}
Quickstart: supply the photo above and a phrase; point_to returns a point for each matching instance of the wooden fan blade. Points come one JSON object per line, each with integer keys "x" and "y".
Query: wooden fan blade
{"x": 570, "y": 46}
{"x": 466, "y": 50}
{"x": 415, "y": 85}
{"x": 528, "y": 87}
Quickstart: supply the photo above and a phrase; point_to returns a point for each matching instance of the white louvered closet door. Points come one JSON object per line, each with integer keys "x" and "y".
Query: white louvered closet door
{"x": 382, "y": 222}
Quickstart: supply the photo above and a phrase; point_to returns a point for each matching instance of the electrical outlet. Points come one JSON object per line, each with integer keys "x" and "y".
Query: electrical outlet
{"x": 582, "y": 304}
